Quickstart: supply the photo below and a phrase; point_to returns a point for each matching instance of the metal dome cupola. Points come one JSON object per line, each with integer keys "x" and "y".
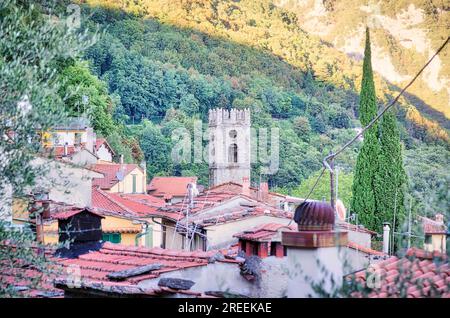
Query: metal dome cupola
{"x": 314, "y": 216}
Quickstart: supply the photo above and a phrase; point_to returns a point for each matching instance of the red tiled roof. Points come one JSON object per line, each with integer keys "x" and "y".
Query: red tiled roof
{"x": 263, "y": 233}
{"x": 145, "y": 198}
{"x": 417, "y": 274}
{"x": 267, "y": 232}
{"x": 101, "y": 201}
{"x": 136, "y": 207}
{"x": 94, "y": 267}
{"x": 353, "y": 227}
{"x": 123, "y": 204}
{"x": 25, "y": 277}
{"x": 170, "y": 186}
{"x": 238, "y": 188}
{"x": 120, "y": 230}
{"x": 364, "y": 249}
{"x": 58, "y": 151}
{"x": 203, "y": 201}
{"x": 241, "y": 213}
{"x": 110, "y": 171}
{"x": 432, "y": 227}
{"x": 211, "y": 199}
{"x": 100, "y": 141}
{"x": 65, "y": 214}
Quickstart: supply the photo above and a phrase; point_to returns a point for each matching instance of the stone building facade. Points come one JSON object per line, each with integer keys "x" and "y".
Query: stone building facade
{"x": 229, "y": 145}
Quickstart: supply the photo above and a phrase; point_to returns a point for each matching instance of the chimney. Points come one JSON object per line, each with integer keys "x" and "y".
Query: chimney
{"x": 315, "y": 242}
{"x": 263, "y": 191}
{"x": 91, "y": 137}
{"x": 39, "y": 228}
{"x": 246, "y": 186}
{"x": 439, "y": 218}
{"x": 66, "y": 152}
{"x": 46, "y": 210}
{"x": 121, "y": 159}
{"x": 40, "y": 210}
{"x": 386, "y": 234}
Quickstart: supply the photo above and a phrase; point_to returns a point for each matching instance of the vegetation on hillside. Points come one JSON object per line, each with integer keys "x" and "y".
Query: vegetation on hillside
{"x": 391, "y": 179}
{"x": 32, "y": 49}
{"x": 322, "y": 190}
{"x": 170, "y": 62}
{"x": 404, "y": 34}
{"x": 365, "y": 188}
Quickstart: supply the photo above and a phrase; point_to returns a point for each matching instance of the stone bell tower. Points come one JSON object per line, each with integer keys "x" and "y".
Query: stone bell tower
{"x": 229, "y": 145}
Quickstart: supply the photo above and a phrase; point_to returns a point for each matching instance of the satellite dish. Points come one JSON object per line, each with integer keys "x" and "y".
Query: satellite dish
{"x": 120, "y": 175}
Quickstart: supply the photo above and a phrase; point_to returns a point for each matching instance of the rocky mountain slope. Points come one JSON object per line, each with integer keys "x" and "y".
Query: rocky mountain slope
{"x": 405, "y": 34}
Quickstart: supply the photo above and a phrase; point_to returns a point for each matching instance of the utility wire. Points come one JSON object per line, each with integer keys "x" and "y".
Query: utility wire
{"x": 335, "y": 154}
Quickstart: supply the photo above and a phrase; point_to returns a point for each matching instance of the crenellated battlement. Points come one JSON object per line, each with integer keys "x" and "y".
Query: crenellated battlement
{"x": 218, "y": 116}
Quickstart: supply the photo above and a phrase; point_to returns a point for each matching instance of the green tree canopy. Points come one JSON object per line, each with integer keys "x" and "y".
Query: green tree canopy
{"x": 322, "y": 190}
{"x": 364, "y": 200}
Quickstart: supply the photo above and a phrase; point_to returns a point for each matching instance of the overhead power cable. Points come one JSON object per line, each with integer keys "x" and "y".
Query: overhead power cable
{"x": 332, "y": 156}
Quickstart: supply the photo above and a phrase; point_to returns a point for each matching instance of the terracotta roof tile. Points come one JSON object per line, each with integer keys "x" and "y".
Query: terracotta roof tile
{"x": 263, "y": 233}
{"x": 24, "y": 278}
{"x": 100, "y": 141}
{"x": 353, "y": 227}
{"x": 417, "y": 268}
{"x": 241, "y": 213}
{"x": 94, "y": 267}
{"x": 103, "y": 202}
{"x": 170, "y": 186}
{"x": 432, "y": 227}
{"x": 364, "y": 249}
{"x": 128, "y": 205}
{"x": 58, "y": 151}
{"x": 120, "y": 230}
{"x": 63, "y": 215}
{"x": 110, "y": 171}
{"x": 146, "y": 199}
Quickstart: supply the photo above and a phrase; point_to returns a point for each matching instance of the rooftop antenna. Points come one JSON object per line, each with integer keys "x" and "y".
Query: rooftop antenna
{"x": 409, "y": 224}
{"x": 191, "y": 192}
{"x": 393, "y": 226}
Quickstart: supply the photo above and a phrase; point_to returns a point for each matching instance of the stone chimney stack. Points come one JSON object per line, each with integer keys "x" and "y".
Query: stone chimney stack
{"x": 263, "y": 191}
{"x": 439, "y": 218}
{"x": 246, "y": 186}
{"x": 66, "y": 152}
{"x": 314, "y": 249}
{"x": 386, "y": 235}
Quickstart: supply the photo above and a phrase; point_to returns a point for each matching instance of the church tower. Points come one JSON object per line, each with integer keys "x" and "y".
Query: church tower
{"x": 229, "y": 145}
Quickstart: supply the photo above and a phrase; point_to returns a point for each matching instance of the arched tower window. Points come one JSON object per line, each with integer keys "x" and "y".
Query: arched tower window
{"x": 233, "y": 153}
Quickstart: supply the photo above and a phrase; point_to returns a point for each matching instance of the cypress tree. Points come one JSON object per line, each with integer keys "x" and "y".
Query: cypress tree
{"x": 391, "y": 178}
{"x": 364, "y": 199}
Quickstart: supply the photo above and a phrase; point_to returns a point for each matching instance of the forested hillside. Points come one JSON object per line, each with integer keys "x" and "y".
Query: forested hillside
{"x": 165, "y": 63}
{"x": 405, "y": 33}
